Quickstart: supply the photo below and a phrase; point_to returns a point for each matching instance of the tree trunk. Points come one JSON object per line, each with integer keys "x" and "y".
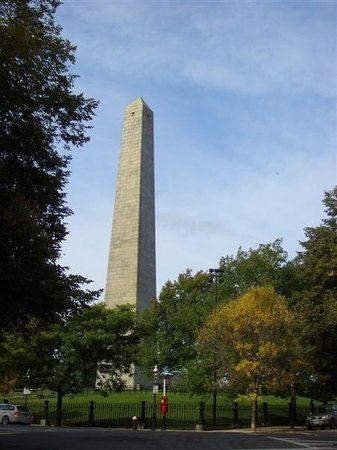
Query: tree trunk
{"x": 254, "y": 412}
{"x": 59, "y": 407}
{"x": 292, "y": 406}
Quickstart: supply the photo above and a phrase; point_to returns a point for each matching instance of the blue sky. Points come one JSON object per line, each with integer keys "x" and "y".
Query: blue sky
{"x": 244, "y": 100}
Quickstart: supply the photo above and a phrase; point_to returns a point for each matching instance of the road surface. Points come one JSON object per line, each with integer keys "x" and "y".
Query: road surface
{"x": 19, "y": 437}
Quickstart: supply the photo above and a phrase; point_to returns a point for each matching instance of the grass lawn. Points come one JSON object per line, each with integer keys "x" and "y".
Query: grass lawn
{"x": 115, "y": 409}
{"x": 128, "y": 397}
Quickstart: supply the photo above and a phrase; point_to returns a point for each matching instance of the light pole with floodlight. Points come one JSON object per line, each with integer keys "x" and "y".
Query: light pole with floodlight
{"x": 215, "y": 277}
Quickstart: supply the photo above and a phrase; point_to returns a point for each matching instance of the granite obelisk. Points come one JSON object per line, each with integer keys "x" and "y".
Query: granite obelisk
{"x": 131, "y": 274}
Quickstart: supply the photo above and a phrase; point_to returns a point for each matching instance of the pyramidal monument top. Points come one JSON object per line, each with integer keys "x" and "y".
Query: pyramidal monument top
{"x": 139, "y": 101}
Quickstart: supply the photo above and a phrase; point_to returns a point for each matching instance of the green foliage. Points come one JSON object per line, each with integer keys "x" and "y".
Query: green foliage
{"x": 198, "y": 376}
{"x": 69, "y": 356}
{"x": 267, "y": 265}
{"x": 39, "y": 113}
{"x": 66, "y": 357}
{"x": 171, "y": 324}
{"x": 316, "y": 302}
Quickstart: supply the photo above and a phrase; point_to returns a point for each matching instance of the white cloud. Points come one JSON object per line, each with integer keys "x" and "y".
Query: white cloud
{"x": 250, "y": 47}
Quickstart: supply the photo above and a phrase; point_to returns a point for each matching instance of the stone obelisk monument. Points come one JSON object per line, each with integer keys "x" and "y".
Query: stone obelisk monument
{"x": 131, "y": 274}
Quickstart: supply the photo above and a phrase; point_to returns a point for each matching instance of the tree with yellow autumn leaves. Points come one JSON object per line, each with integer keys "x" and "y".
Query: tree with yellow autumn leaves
{"x": 252, "y": 344}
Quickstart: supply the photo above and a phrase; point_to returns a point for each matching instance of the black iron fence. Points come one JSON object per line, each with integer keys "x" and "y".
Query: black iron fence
{"x": 179, "y": 416}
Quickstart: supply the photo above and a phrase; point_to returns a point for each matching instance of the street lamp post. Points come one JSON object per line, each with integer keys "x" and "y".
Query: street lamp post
{"x": 155, "y": 392}
{"x": 215, "y": 277}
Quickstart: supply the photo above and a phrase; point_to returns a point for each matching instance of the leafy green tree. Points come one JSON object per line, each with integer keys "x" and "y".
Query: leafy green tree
{"x": 172, "y": 323}
{"x": 69, "y": 356}
{"x": 40, "y": 118}
{"x": 316, "y": 306}
{"x": 267, "y": 265}
{"x": 252, "y": 342}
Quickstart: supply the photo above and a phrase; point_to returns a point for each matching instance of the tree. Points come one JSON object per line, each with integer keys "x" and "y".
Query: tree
{"x": 267, "y": 265}
{"x": 252, "y": 342}
{"x": 172, "y": 323}
{"x": 40, "y": 118}
{"x": 67, "y": 357}
{"x": 316, "y": 302}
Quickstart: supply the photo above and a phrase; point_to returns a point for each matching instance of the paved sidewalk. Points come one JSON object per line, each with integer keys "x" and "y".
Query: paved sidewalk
{"x": 276, "y": 429}
{"x": 266, "y": 430}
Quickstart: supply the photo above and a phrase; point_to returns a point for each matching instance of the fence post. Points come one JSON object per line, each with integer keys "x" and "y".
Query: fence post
{"x": 142, "y": 415}
{"x": 91, "y": 413}
{"x": 236, "y": 414}
{"x": 292, "y": 414}
{"x": 265, "y": 414}
{"x": 201, "y": 417}
{"x": 46, "y": 412}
